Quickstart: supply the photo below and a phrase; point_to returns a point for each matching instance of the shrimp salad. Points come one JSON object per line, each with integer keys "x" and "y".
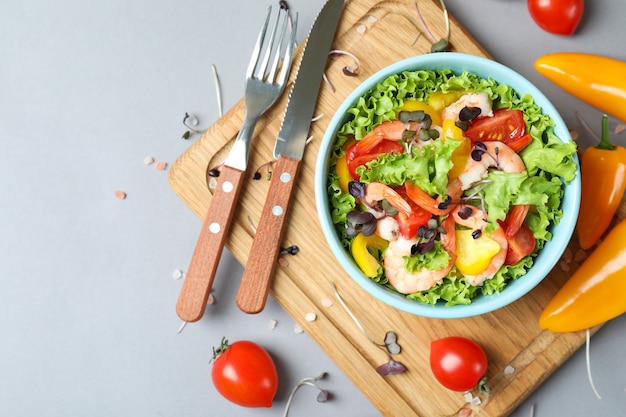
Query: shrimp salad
{"x": 444, "y": 186}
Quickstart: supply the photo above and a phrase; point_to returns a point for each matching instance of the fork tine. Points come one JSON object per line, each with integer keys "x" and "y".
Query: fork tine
{"x": 284, "y": 72}
{"x": 268, "y": 51}
{"x": 257, "y": 47}
{"x": 279, "y": 49}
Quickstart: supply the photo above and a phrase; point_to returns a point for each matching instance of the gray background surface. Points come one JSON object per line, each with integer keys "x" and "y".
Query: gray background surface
{"x": 88, "y": 89}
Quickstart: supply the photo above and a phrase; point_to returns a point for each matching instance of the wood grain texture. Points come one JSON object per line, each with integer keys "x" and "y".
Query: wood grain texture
{"x": 208, "y": 251}
{"x": 380, "y": 33}
{"x": 262, "y": 260}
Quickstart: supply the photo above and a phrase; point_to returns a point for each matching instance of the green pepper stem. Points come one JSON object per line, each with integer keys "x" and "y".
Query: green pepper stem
{"x": 605, "y": 141}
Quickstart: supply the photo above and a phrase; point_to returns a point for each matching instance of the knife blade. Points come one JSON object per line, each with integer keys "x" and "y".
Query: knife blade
{"x": 288, "y": 151}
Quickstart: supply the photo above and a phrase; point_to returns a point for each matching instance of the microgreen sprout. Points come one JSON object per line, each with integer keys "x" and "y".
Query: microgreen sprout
{"x": 360, "y": 222}
{"x": 257, "y": 173}
{"x": 467, "y": 114}
{"x": 290, "y": 250}
{"x": 322, "y": 396}
{"x": 443, "y": 44}
{"x": 356, "y": 189}
{"x": 390, "y": 345}
{"x": 351, "y": 70}
{"x": 426, "y": 236}
{"x": 191, "y": 123}
{"x": 215, "y": 171}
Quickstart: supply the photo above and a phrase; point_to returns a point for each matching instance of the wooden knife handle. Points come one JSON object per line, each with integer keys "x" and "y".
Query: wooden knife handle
{"x": 206, "y": 256}
{"x": 261, "y": 264}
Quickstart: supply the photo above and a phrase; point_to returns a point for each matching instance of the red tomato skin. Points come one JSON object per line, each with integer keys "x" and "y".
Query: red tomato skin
{"x": 355, "y": 159}
{"x": 409, "y": 225}
{"x": 559, "y": 17}
{"x": 521, "y": 244}
{"x": 457, "y": 363}
{"x": 245, "y": 374}
{"x": 506, "y": 126}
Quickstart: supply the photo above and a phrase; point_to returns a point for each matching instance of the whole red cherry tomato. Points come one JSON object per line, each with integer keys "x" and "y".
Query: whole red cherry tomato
{"x": 459, "y": 364}
{"x": 560, "y": 17}
{"x": 244, "y": 373}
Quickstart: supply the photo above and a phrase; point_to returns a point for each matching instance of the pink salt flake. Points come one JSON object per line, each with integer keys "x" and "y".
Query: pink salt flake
{"x": 161, "y": 166}
{"x": 120, "y": 194}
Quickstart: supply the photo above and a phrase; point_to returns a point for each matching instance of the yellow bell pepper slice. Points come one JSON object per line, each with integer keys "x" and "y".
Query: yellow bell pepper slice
{"x": 474, "y": 255}
{"x": 362, "y": 256}
{"x": 416, "y": 105}
{"x": 341, "y": 169}
{"x": 449, "y": 130}
{"x": 439, "y": 100}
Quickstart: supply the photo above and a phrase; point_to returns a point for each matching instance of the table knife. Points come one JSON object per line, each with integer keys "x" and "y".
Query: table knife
{"x": 288, "y": 152}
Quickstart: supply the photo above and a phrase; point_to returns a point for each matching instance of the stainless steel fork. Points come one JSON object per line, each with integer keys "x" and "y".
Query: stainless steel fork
{"x": 263, "y": 87}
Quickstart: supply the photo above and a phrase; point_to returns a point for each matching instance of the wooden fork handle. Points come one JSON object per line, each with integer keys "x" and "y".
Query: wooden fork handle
{"x": 206, "y": 256}
{"x": 261, "y": 264}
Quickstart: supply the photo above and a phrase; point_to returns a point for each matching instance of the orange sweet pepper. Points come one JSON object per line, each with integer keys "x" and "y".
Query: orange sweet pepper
{"x": 603, "y": 176}
{"x": 595, "y": 79}
{"x": 596, "y": 292}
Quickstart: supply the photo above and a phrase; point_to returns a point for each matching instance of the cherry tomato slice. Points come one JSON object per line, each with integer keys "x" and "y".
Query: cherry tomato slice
{"x": 409, "y": 224}
{"x": 521, "y": 244}
{"x": 457, "y": 363}
{"x": 560, "y": 17}
{"x": 355, "y": 158}
{"x": 505, "y": 126}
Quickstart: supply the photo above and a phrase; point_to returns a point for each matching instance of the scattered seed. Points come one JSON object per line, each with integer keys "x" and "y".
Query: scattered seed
{"x": 568, "y": 255}
{"x": 177, "y": 274}
{"x": 148, "y": 160}
{"x": 210, "y": 300}
{"x": 580, "y": 255}
{"x": 465, "y": 412}
{"x": 508, "y": 370}
{"x": 120, "y": 194}
{"x": 161, "y": 166}
{"x": 361, "y": 29}
{"x": 272, "y": 324}
{"x": 372, "y": 19}
{"x": 212, "y": 183}
{"x": 326, "y": 302}
{"x": 297, "y": 329}
{"x": 310, "y": 317}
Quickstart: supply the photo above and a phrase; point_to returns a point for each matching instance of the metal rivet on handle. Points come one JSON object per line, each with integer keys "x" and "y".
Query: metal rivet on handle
{"x": 214, "y": 227}
{"x": 285, "y": 177}
{"x": 227, "y": 186}
{"x": 277, "y": 211}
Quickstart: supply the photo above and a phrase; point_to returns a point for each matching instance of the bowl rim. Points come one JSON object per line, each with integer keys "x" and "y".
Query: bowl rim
{"x": 553, "y": 249}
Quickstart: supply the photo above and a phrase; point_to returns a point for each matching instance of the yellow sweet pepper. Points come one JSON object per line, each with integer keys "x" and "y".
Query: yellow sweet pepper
{"x": 595, "y": 79}
{"x": 474, "y": 255}
{"x": 362, "y": 256}
{"x": 596, "y": 292}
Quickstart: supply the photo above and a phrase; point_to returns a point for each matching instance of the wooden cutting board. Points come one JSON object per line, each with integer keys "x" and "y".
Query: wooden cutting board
{"x": 379, "y": 33}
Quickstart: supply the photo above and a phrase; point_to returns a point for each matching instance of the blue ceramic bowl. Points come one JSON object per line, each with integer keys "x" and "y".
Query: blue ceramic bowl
{"x": 545, "y": 260}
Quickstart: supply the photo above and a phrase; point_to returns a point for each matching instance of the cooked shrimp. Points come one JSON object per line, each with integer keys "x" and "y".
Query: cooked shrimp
{"x": 477, "y": 220}
{"x": 496, "y": 154}
{"x": 437, "y": 206}
{"x": 388, "y": 228}
{"x": 377, "y": 191}
{"x": 480, "y": 100}
{"x": 411, "y": 282}
{"x": 393, "y": 129}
